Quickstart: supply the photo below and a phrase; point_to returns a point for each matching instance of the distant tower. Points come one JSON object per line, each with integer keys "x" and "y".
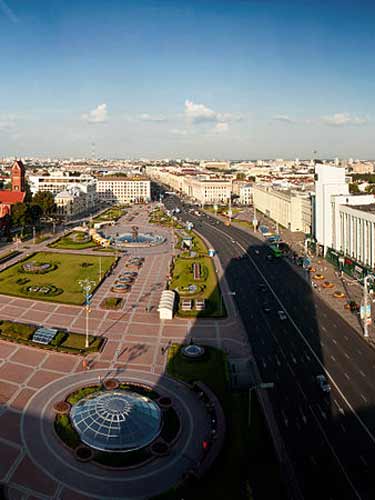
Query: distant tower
{"x": 18, "y": 176}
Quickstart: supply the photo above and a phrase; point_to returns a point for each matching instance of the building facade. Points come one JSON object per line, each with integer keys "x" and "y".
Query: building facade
{"x": 292, "y": 210}
{"x": 124, "y": 189}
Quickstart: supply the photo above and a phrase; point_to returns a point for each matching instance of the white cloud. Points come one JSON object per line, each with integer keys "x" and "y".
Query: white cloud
{"x": 199, "y": 113}
{"x": 146, "y": 117}
{"x": 341, "y": 119}
{"x": 283, "y": 118}
{"x": 97, "y": 115}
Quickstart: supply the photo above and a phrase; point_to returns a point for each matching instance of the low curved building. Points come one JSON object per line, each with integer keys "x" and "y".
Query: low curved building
{"x": 117, "y": 421}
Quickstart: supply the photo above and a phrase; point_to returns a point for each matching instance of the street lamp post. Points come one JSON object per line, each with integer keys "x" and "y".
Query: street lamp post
{"x": 262, "y": 385}
{"x": 86, "y": 286}
{"x": 366, "y": 305}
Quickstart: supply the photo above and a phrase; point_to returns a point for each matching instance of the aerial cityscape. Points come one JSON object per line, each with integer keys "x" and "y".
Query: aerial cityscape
{"x": 187, "y": 250}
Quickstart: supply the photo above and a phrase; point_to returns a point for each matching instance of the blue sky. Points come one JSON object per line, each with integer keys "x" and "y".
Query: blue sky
{"x": 193, "y": 78}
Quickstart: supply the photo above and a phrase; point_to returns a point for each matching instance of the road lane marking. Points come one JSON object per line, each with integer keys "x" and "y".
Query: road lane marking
{"x": 333, "y": 358}
{"x": 346, "y": 355}
{"x": 343, "y": 428}
{"x": 346, "y": 376}
{"x": 359, "y": 352}
{"x": 323, "y": 328}
{"x": 363, "y": 460}
{"x": 364, "y": 398}
{"x": 335, "y": 454}
{"x": 334, "y": 341}
{"x": 363, "y": 374}
{"x": 346, "y": 338}
{"x": 318, "y": 360}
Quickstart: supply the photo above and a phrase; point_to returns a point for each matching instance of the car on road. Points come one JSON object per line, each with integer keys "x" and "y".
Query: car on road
{"x": 266, "y": 308}
{"x": 232, "y": 241}
{"x": 262, "y": 287}
{"x": 282, "y": 315}
{"x": 323, "y": 383}
{"x": 257, "y": 252}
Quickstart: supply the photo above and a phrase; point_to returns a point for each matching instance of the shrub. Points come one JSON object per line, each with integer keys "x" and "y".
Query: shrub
{"x": 66, "y": 431}
{"x": 59, "y": 338}
{"x": 17, "y": 330}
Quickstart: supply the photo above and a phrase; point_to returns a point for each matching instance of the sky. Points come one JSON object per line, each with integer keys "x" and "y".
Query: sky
{"x": 225, "y": 79}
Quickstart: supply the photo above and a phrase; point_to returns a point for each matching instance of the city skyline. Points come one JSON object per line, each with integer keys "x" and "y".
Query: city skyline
{"x": 204, "y": 79}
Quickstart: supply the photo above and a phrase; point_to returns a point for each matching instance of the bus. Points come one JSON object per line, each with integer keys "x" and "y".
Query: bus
{"x": 276, "y": 252}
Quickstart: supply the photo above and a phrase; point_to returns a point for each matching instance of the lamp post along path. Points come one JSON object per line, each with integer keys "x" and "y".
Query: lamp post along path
{"x": 86, "y": 286}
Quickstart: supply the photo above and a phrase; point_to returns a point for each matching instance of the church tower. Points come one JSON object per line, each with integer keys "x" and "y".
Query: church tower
{"x": 18, "y": 176}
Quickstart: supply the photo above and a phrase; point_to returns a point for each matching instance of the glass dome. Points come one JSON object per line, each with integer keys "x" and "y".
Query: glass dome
{"x": 116, "y": 420}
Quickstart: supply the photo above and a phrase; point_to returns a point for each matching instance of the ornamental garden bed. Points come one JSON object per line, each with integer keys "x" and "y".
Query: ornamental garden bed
{"x": 60, "y": 272}
{"x": 111, "y": 303}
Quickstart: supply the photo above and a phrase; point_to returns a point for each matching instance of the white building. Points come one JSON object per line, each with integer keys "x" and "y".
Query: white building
{"x": 58, "y": 181}
{"x": 208, "y": 191}
{"x": 71, "y": 203}
{"x": 246, "y": 194}
{"x": 329, "y": 181}
{"x": 356, "y": 233}
{"x": 123, "y": 189}
{"x": 290, "y": 209}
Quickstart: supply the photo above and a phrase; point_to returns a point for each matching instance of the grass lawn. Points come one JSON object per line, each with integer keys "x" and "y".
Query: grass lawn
{"x": 208, "y": 287}
{"x": 247, "y": 467}
{"x": 211, "y": 369}
{"x": 69, "y": 269}
{"x": 113, "y": 213}
{"x": 67, "y": 243}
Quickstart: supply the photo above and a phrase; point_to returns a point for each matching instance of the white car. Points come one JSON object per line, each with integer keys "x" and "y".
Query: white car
{"x": 282, "y": 315}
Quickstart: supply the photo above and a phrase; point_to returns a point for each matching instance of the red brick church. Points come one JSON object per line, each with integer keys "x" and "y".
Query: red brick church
{"x": 15, "y": 195}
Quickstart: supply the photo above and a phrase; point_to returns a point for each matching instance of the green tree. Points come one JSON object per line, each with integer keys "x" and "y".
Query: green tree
{"x": 370, "y": 189}
{"x": 241, "y": 176}
{"x": 46, "y": 202}
{"x": 353, "y": 188}
{"x": 20, "y": 214}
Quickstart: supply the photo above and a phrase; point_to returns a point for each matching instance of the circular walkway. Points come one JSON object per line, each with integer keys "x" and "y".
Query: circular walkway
{"x": 47, "y": 451}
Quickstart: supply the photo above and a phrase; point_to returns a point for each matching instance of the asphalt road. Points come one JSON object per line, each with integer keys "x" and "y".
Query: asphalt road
{"x": 330, "y": 438}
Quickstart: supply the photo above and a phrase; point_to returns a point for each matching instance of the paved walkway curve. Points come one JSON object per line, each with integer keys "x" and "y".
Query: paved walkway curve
{"x": 46, "y": 451}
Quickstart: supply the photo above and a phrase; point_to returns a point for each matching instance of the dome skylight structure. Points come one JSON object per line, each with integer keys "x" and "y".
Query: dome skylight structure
{"x": 116, "y": 420}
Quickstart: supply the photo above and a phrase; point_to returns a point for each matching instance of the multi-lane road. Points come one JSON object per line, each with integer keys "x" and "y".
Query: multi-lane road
{"x": 329, "y": 438}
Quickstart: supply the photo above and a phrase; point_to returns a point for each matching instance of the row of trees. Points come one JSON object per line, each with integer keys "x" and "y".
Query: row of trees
{"x": 40, "y": 205}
